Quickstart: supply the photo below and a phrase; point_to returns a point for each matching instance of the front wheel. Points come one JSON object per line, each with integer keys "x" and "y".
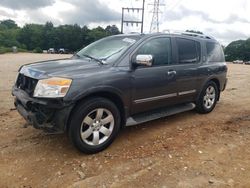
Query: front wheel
{"x": 94, "y": 125}
{"x": 208, "y": 98}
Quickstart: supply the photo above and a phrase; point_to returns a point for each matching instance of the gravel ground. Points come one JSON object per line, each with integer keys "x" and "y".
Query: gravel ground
{"x": 184, "y": 150}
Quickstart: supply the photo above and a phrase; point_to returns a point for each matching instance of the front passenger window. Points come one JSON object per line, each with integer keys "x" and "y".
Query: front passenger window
{"x": 160, "y": 48}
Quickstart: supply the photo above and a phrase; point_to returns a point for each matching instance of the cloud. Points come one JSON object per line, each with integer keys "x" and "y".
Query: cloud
{"x": 25, "y": 4}
{"x": 89, "y": 11}
{"x": 183, "y": 12}
{"x": 40, "y": 17}
{"x": 6, "y": 14}
{"x": 234, "y": 18}
{"x": 227, "y": 35}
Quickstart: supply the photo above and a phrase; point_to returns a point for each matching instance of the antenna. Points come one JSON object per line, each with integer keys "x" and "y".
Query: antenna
{"x": 154, "y": 27}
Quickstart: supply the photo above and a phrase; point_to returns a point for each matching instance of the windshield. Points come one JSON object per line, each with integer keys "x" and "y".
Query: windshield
{"x": 109, "y": 49}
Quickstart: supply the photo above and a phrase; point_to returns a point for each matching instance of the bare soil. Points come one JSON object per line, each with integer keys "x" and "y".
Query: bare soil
{"x": 184, "y": 150}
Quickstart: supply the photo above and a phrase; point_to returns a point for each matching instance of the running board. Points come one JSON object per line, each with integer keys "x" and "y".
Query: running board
{"x": 159, "y": 113}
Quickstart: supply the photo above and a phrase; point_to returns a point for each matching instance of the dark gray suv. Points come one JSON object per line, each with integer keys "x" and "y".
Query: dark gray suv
{"x": 120, "y": 81}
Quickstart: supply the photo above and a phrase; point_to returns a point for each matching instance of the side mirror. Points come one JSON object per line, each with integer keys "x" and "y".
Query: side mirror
{"x": 145, "y": 60}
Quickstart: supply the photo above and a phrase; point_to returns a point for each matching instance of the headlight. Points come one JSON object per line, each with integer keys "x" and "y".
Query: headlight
{"x": 52, "y": 87}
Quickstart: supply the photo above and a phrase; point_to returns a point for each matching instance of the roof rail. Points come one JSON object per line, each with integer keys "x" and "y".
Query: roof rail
{"x": 187, "y": 33}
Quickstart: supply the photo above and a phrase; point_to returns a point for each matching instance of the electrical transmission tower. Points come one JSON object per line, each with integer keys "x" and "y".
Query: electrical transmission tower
{"x": 154, "y": 27}
{"x": 132, "y": 21}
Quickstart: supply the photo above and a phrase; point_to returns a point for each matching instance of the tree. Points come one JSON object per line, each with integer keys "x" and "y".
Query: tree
{"x": 96, "y": 34}
{"x": 36, "y": 37}
{"x": 8, "y": 33}
{"x": 193, "y": 31}
{"x": 8, "y": 24}
{"x": 112, "y": 30}
{"x": 69, "y": 37}
{"x": 49, "y": 36}
{"x": 236, "y": 50}
{"x": 31, "y": 36}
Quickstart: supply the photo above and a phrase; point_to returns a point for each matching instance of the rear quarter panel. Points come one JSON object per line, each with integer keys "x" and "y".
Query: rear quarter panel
{"x": 209, "y": 71}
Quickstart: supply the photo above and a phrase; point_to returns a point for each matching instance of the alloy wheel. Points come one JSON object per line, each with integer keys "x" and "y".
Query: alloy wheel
{"x": 97, "y": 126}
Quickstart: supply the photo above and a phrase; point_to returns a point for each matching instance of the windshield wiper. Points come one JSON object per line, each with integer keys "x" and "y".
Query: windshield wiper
{"x": 96, "y": 59}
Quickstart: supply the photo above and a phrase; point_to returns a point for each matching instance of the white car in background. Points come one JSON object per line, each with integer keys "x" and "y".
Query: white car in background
{"x": 238, "y": 62}
{"x": 51, "y": 51}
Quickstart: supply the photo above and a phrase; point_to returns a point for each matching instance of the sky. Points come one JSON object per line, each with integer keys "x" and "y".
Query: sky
{"x": 223, "y": 19}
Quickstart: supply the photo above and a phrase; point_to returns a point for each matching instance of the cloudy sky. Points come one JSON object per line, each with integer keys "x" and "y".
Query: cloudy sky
{"x": 225, "y": 20}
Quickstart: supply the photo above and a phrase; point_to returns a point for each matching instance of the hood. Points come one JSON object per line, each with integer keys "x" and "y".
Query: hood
{"x": 68, "y": 68}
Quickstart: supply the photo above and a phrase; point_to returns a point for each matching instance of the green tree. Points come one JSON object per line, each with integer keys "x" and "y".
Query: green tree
{"x": 8, "y": 24}
{"x": 193, "y": 31}
{"x": 49, "y": 36}
{"x": 31, "y": 35}
{"x": 96, "y": 34}
{"x": 235, "y": 50}
{"x": 8, "y": 33}
{"x": 36, "y": 37}
{"x": 112, "y": 30}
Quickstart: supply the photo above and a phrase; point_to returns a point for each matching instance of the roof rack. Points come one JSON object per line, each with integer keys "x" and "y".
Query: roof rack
{"x": 187, "y": 33}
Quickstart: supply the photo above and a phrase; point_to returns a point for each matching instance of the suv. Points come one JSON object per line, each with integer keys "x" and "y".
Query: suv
{"x": 120, "y": 81}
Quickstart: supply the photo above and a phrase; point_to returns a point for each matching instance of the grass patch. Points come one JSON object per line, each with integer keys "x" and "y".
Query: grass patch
{"x": 4, "y": 50}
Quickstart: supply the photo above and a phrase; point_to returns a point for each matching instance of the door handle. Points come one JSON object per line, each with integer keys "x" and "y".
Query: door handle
{"x": 171, "y": 72}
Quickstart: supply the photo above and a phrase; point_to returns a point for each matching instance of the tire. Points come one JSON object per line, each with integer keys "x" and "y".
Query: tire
{"x": 207, "y": 98}
{"x": 94, "y": 125}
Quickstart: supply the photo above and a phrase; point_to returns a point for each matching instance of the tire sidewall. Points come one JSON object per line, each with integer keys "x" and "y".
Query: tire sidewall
{"x": 200, "y": 103}
{"x": 81, "y": 112}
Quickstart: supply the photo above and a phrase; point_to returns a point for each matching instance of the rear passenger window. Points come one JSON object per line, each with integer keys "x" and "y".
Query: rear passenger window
{"x": 189, "y": 51}
{"x": 214, "y": 52}
{"x": 160, "y": 48}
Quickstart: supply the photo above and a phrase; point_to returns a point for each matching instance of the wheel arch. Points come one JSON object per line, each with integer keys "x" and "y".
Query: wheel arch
{"x": 112, "y": 96}
{"x": 216, "y": 81}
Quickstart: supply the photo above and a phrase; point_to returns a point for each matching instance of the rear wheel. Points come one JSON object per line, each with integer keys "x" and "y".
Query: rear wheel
{"x": 208, "y": 98}
{"x": 94, "y": 125}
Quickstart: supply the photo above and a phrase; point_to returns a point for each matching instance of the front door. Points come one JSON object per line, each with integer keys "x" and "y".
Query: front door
{"x": 154, "y": 86}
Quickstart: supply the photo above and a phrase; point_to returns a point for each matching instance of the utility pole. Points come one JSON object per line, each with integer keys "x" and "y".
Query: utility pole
{"x": 154, "y": 27}
{"x": 133, "y": 21}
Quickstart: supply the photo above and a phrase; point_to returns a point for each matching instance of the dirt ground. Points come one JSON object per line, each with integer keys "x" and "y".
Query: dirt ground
{"x": 184, "y": 150}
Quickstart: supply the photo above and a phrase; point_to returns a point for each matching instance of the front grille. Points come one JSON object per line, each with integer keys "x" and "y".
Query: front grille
{"x": 26, "y": 83}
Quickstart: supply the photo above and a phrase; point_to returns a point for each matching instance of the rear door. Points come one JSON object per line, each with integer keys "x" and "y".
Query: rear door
{"x": 188, "y": 61}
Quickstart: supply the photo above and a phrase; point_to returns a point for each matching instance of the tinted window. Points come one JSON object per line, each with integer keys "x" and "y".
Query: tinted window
{"x": 160, "y": 48}
{"x": 214, "y": 52}
{"x": 188, "y": 50}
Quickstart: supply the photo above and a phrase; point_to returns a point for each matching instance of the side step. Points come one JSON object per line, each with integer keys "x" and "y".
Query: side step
{"x": 159, "y": 113}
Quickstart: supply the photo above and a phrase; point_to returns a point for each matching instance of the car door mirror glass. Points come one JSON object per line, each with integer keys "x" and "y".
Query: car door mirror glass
{"x": 145, "y": 59}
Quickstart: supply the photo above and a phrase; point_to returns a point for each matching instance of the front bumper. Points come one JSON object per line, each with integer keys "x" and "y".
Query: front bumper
{"x": 47, "y": 114}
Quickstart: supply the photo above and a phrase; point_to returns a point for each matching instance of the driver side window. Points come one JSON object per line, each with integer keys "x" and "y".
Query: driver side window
{"x": 159, "y": 48}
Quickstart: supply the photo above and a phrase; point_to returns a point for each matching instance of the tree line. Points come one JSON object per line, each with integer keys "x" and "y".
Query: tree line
{"x": 238, "y": 50}
{"x": 40, "y": 37}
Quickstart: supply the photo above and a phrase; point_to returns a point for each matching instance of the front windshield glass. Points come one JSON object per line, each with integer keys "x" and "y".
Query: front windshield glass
{"x": 109, "y": 49}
